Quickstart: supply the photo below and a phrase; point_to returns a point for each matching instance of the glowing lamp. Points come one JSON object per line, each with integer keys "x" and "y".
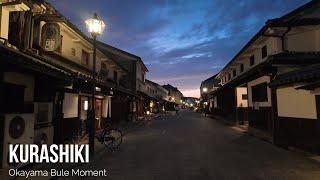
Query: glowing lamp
{"x": 95, "y": 26}
{"x": 204, "y": 89}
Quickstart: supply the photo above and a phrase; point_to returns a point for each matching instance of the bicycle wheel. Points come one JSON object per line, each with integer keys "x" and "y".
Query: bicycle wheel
{"x": 112, "y": 138}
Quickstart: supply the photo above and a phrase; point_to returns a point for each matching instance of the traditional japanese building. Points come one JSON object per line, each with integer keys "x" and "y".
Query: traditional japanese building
{"x": 159, "y": 96}
{"x": 284, "y": 44}
{"x": 174, "y": 97}
{"x": 46, "y": 80}
{"x": 134, "y": 81}
{"x": 207, "y": 86}
{"x": 297, "y": 106}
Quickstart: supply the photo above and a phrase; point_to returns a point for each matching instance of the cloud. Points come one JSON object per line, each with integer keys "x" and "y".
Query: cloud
{"x": 182, "y": 41}
{"x": 183, "y": 77}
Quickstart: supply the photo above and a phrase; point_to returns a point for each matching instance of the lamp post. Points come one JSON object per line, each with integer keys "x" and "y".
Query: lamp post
{"x": 95, "y": 28}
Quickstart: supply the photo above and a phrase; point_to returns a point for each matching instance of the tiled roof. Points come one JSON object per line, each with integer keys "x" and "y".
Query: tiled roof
{"x": 151, "y": 82}
{"x": 31, "y": 63}
{"x": 295, "y": 22}
{"x": 105, "y": 49}
{"x": 211, "y": 78}
{"x": 308, "y": 74}
{"x": 293, "y": 57}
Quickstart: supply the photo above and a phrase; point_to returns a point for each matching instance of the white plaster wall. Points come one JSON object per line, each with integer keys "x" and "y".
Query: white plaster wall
{"x": 273, "y": 46}
{"x": 22, "y": 79}
{"x": 305, "y": 40}
{"x": 240, "y": 102}
{"x": 260, "y": 80}
{"x": 68, "y": 43}
{"x": 70, "y": 105}
{"x": 296, "y": 103}
{"x": 4, "y": 22}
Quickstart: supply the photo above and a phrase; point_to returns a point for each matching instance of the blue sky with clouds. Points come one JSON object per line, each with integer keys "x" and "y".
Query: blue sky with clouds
{"x": 182, "y": 42}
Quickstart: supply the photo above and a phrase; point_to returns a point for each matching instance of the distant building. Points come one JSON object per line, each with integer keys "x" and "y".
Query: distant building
{"x": 134, "y": 81}
{"x": 174, "y": 97}
{"x": 190, "y": 101}
{"x": 159, "y": 96}
{"x": 207, "y": 86}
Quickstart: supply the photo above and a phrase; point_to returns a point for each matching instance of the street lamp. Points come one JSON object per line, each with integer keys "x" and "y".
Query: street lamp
{"x": 204, "y": 89}
{"x": 95, "y": 28}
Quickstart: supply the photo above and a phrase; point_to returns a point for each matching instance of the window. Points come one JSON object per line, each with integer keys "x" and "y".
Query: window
{"x": 234, "y": 73}
{"x": 241, "y": 68}
{"x": 229, "y": 77}
{"x": 252, "y": 60}
{"x": 85, "y": 58}
{"x": 115, "y": 75}
{"x": 244, "y": 96}
{"x": 259, "y": 93}
{"x": 264, "y": 52}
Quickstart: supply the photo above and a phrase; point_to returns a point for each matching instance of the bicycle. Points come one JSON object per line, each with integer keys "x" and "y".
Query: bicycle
{"x": 110, "y": 137}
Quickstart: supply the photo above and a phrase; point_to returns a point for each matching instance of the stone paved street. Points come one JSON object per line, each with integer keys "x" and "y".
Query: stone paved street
{"x": 190, "y": 146}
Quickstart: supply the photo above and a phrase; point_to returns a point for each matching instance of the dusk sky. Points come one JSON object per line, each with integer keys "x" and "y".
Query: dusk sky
{"x": 181, "y": 42}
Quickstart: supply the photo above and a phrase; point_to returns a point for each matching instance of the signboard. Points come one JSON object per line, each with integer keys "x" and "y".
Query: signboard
{"x": 50, "y": 37}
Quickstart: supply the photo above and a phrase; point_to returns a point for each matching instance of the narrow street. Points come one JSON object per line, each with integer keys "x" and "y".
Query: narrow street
{"x": 190, "y": 146}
